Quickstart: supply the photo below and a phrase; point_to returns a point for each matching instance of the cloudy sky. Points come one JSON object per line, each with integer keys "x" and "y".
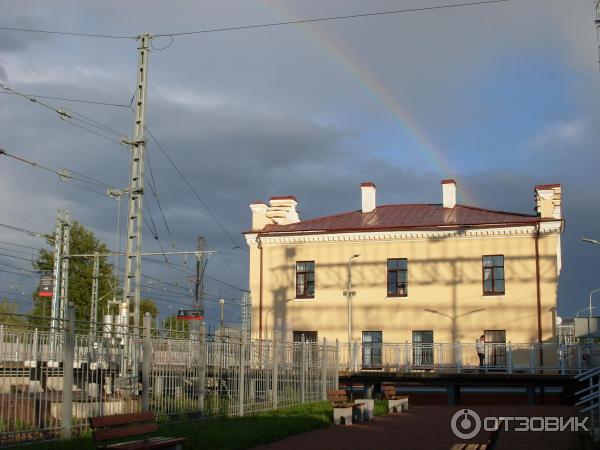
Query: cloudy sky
{"x": 500, "y": 97}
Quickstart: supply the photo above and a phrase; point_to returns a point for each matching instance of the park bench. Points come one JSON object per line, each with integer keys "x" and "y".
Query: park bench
{"x": 343, "y": 410}
{"x": 396, "y": 403}
{"x": 489, "y": 445}
{"x": 110, "y": 428}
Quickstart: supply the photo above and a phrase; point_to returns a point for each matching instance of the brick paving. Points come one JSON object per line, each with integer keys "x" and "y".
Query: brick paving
{"x": 428, "y": 427}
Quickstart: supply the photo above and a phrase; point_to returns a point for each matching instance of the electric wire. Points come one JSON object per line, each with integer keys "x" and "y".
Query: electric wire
{"x": 67, "y": 33}
{"x": 189, "y": 185}
{"x": 74, "y": 100}
{"x": 331, "y": 18}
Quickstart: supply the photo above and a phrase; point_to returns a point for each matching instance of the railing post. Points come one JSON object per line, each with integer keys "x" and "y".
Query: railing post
{"x": 275, "y": 380}
{"x": 34, "y": 348}
{"x": 146, "y": 354}
{"x": 68, "y": 355}
{"x": 509, "y": 356}
{"x": 458, "y": 357}
{"x": 202, "y": 368}
{"x": 324, "y": 370}
{"x": 531, "y": 358}
{"x": 241, "y": 388}
{"x": 303, "y": 371}
{"x": 579, "y": 357}
{"x": 406, "y": 368}
{"x": 337, "y": 364}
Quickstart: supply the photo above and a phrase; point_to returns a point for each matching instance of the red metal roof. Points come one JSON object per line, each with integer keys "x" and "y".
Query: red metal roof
{"x": 390, "y": 217}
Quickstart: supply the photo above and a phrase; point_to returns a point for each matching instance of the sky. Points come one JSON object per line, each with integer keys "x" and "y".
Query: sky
{"x": 500, "y": 97}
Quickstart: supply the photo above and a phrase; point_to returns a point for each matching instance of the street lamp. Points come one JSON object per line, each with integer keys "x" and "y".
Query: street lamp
{"x": 349, "y": 294}
{"x": 590, "y": 241}
{"x": 589, "y": 307}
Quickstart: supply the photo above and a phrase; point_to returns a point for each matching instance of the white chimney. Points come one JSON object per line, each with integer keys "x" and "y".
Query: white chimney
{"x": 449, "y": 193}
{"x": 368, "y": 197}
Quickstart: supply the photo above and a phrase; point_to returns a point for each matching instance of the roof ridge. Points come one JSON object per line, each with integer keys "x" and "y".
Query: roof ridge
{"x": 497, "y": 211}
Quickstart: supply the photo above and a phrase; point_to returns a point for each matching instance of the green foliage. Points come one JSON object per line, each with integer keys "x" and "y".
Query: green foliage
{"x": 229, "y": 433}
{"x": 82, "y": 241}
{"x": 147, "y": 305}
{"x": 8, "y": 313}
{"x": 178, "y": 329}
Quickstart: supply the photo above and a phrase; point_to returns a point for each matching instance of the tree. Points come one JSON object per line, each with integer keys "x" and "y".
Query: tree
{"x": 177, "y": 328}
{"x": 147, "y": 305}
{"x": 82, "y": 241}
{"x": 9, "y": 314}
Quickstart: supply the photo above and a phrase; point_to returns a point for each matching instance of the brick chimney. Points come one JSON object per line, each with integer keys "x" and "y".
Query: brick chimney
{"x": 449, "y": 193}
{"x": 548, "y": 200}
{"x": 368, "y": 192}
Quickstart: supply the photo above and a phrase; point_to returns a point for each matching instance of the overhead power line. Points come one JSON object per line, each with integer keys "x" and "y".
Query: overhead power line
{"x": 67, "y": 33}
{"x": 30, "y": 233}
{"x": 189, "y": 185}
{"x": 74, "y": 100}
{"x": 331, "y": 18}
{"x": 65, "y": 175}
{"x": 68, "y": 115}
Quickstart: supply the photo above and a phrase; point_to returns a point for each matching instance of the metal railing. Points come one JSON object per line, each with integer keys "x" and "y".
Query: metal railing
{"x": 556, "y": 358}
{"x": 52, "y": 380}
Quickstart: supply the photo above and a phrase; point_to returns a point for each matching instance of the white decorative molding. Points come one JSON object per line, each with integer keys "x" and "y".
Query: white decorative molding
{"x": 547, "y": 227}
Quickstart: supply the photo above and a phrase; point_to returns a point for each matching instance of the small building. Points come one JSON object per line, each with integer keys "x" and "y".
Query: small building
{"x": 417, "y": 273}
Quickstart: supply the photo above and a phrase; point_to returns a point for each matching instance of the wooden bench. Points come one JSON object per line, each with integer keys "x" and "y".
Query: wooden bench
{"x": 396, "y": 403}
{"x": 110, "y": 428}
{"x": 343, "y": 410}
{"x": 489, "y": 445}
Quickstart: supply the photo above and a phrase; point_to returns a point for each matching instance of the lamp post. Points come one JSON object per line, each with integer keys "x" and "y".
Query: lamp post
{"x": 349, "y": 294}
{"x": 595, "y": 242}
{"x": 590, "y": 241}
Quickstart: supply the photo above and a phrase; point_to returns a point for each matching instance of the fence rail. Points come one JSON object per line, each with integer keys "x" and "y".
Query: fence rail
{"x": 569, "y": 358}
{"x": 52, "y": 380}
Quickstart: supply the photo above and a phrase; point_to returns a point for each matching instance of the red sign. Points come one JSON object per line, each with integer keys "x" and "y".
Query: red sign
{"x": 190, "y": 314}
{"x": 45, "y": 288}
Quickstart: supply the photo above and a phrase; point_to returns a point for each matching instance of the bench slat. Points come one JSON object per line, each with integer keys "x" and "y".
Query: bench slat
{"x": 155, "y": 442}
{"x": 106, "y": 434}
{"x": 121, "y": 419}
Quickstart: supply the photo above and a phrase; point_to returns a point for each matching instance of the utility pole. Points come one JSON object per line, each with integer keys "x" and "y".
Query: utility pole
{"x": 55, "y": 309}
{"x": 133, "y": 262}
{"x": 94, "y": 302}
{"x": 64, "y": 269}
{"x": 200, "y": 265}
{"x": 197, "y": 329}
{"x": 222, "y": 314}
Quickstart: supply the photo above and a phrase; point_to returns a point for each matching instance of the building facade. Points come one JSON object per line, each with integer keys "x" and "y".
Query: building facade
{"x": 426, "y": 273}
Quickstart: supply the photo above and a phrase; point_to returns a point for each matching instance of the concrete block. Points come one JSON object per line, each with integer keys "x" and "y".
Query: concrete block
{"x": 342, "y": 416}
{"x": 398, "y": 405}
{"x": 368, "y": 410}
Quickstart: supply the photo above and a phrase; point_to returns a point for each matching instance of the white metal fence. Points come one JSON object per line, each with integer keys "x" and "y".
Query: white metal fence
{"x": 557, "y": 358}
{"x": 53, "y": 380}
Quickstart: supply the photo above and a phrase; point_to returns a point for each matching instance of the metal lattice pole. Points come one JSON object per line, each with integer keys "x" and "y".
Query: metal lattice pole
{"x": 133, "y": 263}
{"x": 64, "y": 275}
{"x": 94, "y": 302}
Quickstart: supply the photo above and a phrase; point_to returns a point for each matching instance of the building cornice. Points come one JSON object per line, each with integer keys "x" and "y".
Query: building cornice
{"x": 546, "y": 227}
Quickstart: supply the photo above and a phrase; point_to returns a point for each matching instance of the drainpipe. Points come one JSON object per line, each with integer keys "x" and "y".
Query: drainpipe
{"x": 260, "y": 289}
{"x": 538, "y": 289}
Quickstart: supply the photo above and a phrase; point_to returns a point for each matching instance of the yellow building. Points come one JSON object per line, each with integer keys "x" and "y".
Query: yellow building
{"x": 441, "y": 273}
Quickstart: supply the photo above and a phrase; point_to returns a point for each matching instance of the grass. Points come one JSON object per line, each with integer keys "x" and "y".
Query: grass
{"x": 231, "y": 433}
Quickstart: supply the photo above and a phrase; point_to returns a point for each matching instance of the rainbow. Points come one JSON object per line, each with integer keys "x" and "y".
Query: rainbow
{"x": 377, "y": 90}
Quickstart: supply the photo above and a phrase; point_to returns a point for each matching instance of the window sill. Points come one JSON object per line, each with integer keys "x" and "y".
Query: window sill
{"x": 397, "y": 297}
{"x": 490, "y": 296}
{"x": 304, "y": 299}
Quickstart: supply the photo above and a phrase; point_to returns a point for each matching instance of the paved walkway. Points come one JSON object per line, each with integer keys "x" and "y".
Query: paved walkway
{"x": 428, "y": 427}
